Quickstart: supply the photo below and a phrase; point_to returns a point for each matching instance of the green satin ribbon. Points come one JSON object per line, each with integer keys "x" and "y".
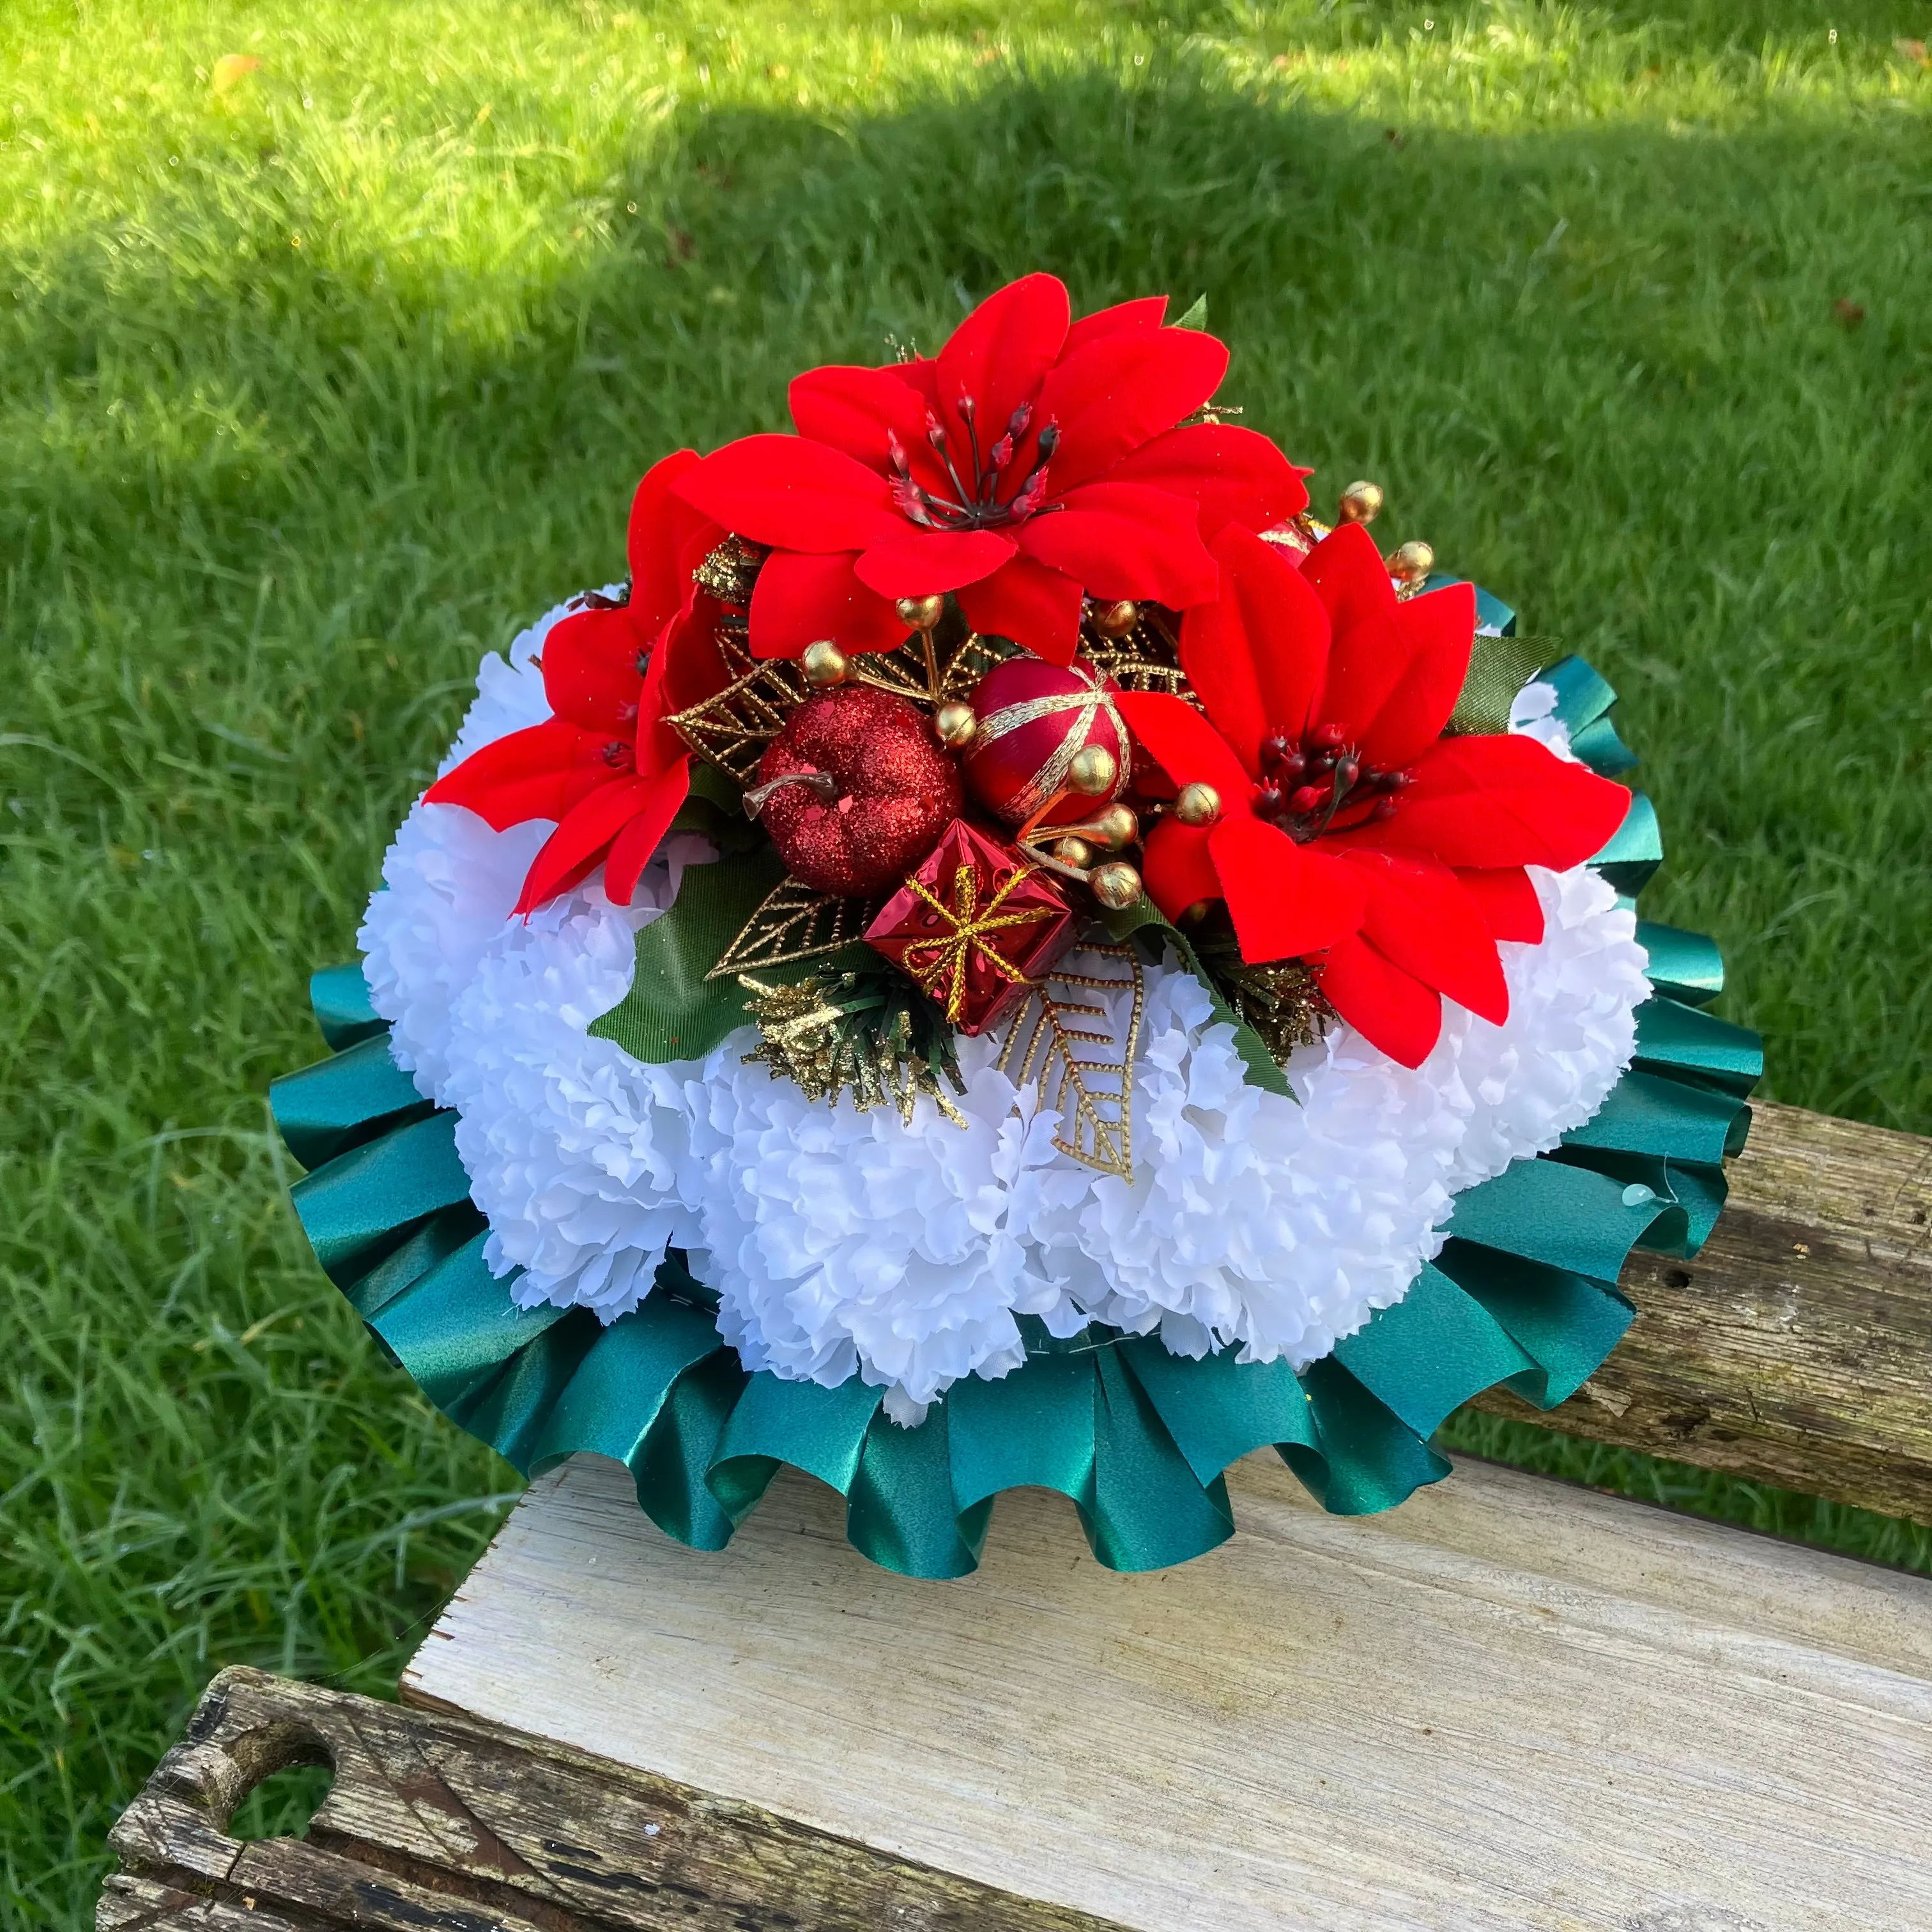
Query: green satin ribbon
{"x": 1523, "y": 1296}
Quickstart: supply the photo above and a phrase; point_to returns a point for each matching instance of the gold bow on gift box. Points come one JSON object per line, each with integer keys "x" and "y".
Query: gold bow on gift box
{"x": 974, "y": 903}
{"x": 945, "y": 961}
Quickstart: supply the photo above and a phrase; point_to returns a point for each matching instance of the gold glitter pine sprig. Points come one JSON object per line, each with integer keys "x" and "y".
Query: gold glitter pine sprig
{"x": 869, "y": 1033}
{"x": 1281, "y": 1000}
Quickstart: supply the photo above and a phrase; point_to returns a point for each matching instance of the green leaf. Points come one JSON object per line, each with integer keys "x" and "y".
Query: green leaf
{"x": 1196, "y": 317}
{"x": 1145, "y": 923}
{"x": 1499, "y": 667}
{"x": 672, "y": 1012}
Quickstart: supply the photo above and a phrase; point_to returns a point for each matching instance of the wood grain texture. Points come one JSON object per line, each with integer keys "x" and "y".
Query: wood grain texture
{"x": 435, "y": 1821}
{"x": 1797, "y": 1347}
{"x": 1508, "y": 1704}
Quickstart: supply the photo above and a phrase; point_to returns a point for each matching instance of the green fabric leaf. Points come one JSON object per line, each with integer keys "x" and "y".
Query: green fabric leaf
{"x": 672, "y": 1012}
{"x": 1196, "y": 316}
{"x": 1148, "y": 926}
{"x": 1499, "y": 667}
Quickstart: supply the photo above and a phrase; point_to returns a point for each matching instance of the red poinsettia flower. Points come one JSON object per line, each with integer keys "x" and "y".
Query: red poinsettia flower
{"x": 606, "y": 766}
{"x": 1350, "y": 827}
{"x": 1031, "y": 460}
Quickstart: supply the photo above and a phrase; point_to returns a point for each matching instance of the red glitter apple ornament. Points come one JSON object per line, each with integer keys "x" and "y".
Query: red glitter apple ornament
{"x": 1035, "y": 720}
{"x": 853, "y": 790}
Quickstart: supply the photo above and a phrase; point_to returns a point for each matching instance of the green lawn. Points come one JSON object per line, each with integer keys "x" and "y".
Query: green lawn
{"x": 313, "y": 387}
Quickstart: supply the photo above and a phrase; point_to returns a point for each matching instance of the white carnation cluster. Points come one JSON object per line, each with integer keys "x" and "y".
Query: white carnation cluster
{"x": 841, "y": 1242}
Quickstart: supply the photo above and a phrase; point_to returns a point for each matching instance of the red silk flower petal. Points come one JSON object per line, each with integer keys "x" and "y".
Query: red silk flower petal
{"x": 1233, "y": 475}
{"x": 1510, "y": 906}
{"x": 1124, "y": 540}
{"x": 1420, "y": 919}
{"x": 918, "y": 563}
{"x": 791, "y": 492}
{"x": 858, "y": 411}
{"x": 1286, "y": 900}
{"x": 593, "y": 674}
{"x": 1257, "y": 654}
{"x": 579, "y": 839}
{"x": 686, "y": 668}
{"x": 1438, "y": 633}
{"x": 538, "y": 772}
{"x": 1367, "y": 653}
{"x": 1502, "y": 801}
{"x": 1126, "y": 318}
{"x": 999, "y": 355}
{"x": 800, "y": 599}
{"x": 1184, "y": 745}
{"x": 630, "y": 851}
{"x": 1179, "y": 870}
{"x": 661, "y": 529}
{"x": 920, "y": 375}
{"x": 1389, "y": 1008}
{"x": 1027, "y": 601}
{"x": 1123, "y": 390}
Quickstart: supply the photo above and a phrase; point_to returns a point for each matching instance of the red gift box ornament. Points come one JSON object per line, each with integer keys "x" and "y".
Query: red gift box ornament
{"x": 975, "y": 928}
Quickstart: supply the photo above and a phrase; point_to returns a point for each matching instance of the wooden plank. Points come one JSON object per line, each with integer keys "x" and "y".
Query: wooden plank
{"x": 433, "y": 1821}
{"x": 1510, "y": 1703}
{"x": 1797, "y": 1347}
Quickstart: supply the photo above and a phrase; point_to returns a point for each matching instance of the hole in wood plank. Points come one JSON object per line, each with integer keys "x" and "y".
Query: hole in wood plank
{"x": 267, "y": 1783}
{"x": 1677, "y": 1277}
{"x": 283, "y": 1804}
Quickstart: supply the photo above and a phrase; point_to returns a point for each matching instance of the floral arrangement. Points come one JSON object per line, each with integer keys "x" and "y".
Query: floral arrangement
{"x": 1008, "y": 952}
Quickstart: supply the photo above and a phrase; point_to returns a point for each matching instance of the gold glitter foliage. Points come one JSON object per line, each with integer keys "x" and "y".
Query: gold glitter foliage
{"x": 1281, "y": 1000}
{"x": 1060, "y": 1039}
{"x": 868, "y": 1033}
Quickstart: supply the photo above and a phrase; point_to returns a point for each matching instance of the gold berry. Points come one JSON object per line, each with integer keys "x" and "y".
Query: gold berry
{"x": 1115, "y": 827}
{"x": 1116, "y": 620}
{"x": 1361, "y": 503}
{"x": 1074, "y": 852}
{"x": 1196, "y": 912}
{"x": 1197, "y": 805}
{"x": 824, "y": 664}
{"x": 1116, "y": 885}
{"x": 1412, "y": 562}
{"x": 1094, "y": 771}
{"x": 956, "y": 724}
{"x": 921, "y": 613}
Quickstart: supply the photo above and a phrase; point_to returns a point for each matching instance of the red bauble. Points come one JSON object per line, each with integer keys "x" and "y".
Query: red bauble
{"x": 1034, "y": 718}
{"x": 976, "y": 928}
{"x": 893, "y": 791}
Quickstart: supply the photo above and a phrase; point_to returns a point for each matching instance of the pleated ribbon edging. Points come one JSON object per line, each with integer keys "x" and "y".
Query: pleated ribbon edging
{"x": 1523, "y": 1295}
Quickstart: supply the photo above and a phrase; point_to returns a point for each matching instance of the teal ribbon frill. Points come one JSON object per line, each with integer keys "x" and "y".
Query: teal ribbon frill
{"x": 1523, "y": 1295}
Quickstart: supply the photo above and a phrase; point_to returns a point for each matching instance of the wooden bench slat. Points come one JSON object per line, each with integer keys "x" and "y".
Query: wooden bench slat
{"x": 1796, "y": 1348}
{"x": 433, "y": 1821}
{"x": 1509, "y": 1703}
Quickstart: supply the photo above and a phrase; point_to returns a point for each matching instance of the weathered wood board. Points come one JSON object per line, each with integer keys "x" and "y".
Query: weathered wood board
{"x": 1508, "y": 1704}
{"x": 1797, "y": 1347}
{"x": 433, "y": 1821}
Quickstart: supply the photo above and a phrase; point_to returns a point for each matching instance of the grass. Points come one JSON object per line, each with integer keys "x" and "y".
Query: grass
{"x": 313, "y": 388}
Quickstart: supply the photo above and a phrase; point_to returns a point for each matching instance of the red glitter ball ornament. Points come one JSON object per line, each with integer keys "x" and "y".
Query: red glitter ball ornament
{"x": 878, "y": 790}
{"x": 1034, "y": 718}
